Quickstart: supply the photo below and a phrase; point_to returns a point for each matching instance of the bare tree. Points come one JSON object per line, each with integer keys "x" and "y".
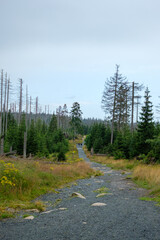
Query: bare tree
{"x": 8, "y": 91}
{"x": 59, "y": 115}
{"x": 4, "y": 105}
{"x": 137, "y": 107}
{"x": 123, "y": 105}
{"x": 65, "y": 118}
{"x": 1, "y": 102}
{"x": 30, "y": 111}
{"x": 26, "y": 122}
{"x": 135, "y": 88}
{"x": 110, "y": 97}
{"x": 26, "y": 107}
{"x": 1, "y": 115}
{"x": 20, "y": 100}
{"x": 36, "y": 108}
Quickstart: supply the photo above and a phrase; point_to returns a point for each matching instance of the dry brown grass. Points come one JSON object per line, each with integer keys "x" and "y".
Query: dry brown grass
{"x": 39, "y": 177}
{"x": 78, "y": 169}
{"x": 148, "y": 173}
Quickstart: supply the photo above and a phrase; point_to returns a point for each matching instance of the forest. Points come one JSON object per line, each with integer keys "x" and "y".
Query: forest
{"x": 119, "y": 135}
{"x": 27, "y": 131}
{"x": 128, "y": 131}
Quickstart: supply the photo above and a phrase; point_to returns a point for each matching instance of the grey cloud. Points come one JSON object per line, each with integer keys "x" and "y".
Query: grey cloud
{"x": 60, "y": 21}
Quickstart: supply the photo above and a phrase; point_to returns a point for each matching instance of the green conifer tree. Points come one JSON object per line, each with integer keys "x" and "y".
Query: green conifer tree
{"x": 76, "y": 120}
{"x": 146, "y": 125}
{"x": 20, "y": 137}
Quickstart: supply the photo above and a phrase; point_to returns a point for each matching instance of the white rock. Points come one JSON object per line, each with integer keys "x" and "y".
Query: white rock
{"x": 98, "y": 204}
{"x": 29, "y": 218}
{"x": 75, "y": 194}
{"x": 101, "y": 194}
{"x": 84, "y": 223}
{"x": 62, "y": 209}
{"x": 47, "y": 212}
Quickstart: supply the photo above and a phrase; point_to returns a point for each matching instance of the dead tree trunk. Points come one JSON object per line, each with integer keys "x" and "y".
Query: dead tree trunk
{"x": 26, "y": 121}
{"x": 30, "y": 110}
{"x": 114, "y": 103}
{"x": 4, "y": 105}
{"x": 1, "y": 102}
{"x": 8, "y": 88}
{"x": 26, "y": 107}
{"x": 132, "y": 115}
{"x": 20, "y": 101}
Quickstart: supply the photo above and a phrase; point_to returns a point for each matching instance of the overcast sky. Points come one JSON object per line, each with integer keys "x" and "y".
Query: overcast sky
{"x": 65, "y": 49}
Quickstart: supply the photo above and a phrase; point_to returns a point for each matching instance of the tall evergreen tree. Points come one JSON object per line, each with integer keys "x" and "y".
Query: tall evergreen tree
{"x": 146, "y": 125}
{"x": 32, "y": 143}
{"x": 20, "y": 138}
{"x": 11, "y": 135}
{"x": 76, "y": 121}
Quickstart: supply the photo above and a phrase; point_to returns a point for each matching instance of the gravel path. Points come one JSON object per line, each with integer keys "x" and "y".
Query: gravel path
{"x": 123, "y": 216}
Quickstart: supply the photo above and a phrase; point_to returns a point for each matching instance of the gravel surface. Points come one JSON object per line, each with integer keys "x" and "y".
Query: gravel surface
{"x": 122, "y": 215}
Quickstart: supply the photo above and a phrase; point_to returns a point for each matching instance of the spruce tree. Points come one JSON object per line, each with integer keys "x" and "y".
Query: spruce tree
{"x": 20, "y": 136}
{"x": 32, "y": 143}
{"x": 146, "y": 125}
{"x": 76, "y": 118}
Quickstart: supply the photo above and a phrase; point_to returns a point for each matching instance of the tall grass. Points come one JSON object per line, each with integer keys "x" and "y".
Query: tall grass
{"x": 148, "y": 176}
{"x": 148, "y": 173}
{"x": 28, "y": 179}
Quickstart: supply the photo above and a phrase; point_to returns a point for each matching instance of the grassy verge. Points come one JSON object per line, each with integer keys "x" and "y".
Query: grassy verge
{"x": 21, "y": 181}
{"x": 145, "y": 176}
{"x": 148, "y": 176}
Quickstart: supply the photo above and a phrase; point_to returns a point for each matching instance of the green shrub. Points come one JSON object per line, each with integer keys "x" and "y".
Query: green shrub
{"x": 118, "y": 154}
{"x": 61, "y": 156}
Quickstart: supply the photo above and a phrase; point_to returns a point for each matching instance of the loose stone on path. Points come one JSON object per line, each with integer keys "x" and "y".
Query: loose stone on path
{"x": 98, "y": 204}
{"x": 47, "y": 212}
{"x": 75, "y": 194}
{"x": 29, "y": 218}
{"x": 101, "y": 194}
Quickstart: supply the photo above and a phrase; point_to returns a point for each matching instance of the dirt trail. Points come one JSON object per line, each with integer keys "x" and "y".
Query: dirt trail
{"x": 123, "y": 216}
